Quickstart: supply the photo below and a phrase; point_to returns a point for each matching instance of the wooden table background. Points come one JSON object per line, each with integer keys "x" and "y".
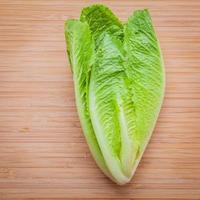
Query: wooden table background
{"x": 43, "y": 154}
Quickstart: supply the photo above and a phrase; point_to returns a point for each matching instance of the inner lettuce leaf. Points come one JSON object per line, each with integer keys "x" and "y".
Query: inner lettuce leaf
{"x": 119, "y": 85}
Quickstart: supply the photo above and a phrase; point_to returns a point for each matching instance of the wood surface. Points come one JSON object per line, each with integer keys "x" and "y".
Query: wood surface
{"x": 43, "y": 154}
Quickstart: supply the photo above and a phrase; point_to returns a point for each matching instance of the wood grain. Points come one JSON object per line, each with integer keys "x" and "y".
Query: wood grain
{"x": 43, "y": 154}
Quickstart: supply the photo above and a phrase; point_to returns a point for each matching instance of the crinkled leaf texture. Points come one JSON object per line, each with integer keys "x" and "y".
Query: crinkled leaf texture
{"x": 119, "y": 85}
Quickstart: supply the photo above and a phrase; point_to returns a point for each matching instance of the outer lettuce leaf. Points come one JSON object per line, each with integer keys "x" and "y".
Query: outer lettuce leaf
{"x": 145, "y": 71}
{"x": 119, "y": 84}
{"x": 78, "y": 38}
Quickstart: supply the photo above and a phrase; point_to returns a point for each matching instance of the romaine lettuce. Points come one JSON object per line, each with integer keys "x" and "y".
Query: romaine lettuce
{"x": 119, "y": 85}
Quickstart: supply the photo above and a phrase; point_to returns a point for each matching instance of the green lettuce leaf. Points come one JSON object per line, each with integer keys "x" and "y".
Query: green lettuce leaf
{"x": 101, "y": 20}
{"x": 145, "y": 70}
{"x": 119, "y": 84}
{"x": 78, "y": 38}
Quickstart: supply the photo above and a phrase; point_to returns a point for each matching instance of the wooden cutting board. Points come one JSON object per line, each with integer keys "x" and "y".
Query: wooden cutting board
{"x": 43, "y": 154}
